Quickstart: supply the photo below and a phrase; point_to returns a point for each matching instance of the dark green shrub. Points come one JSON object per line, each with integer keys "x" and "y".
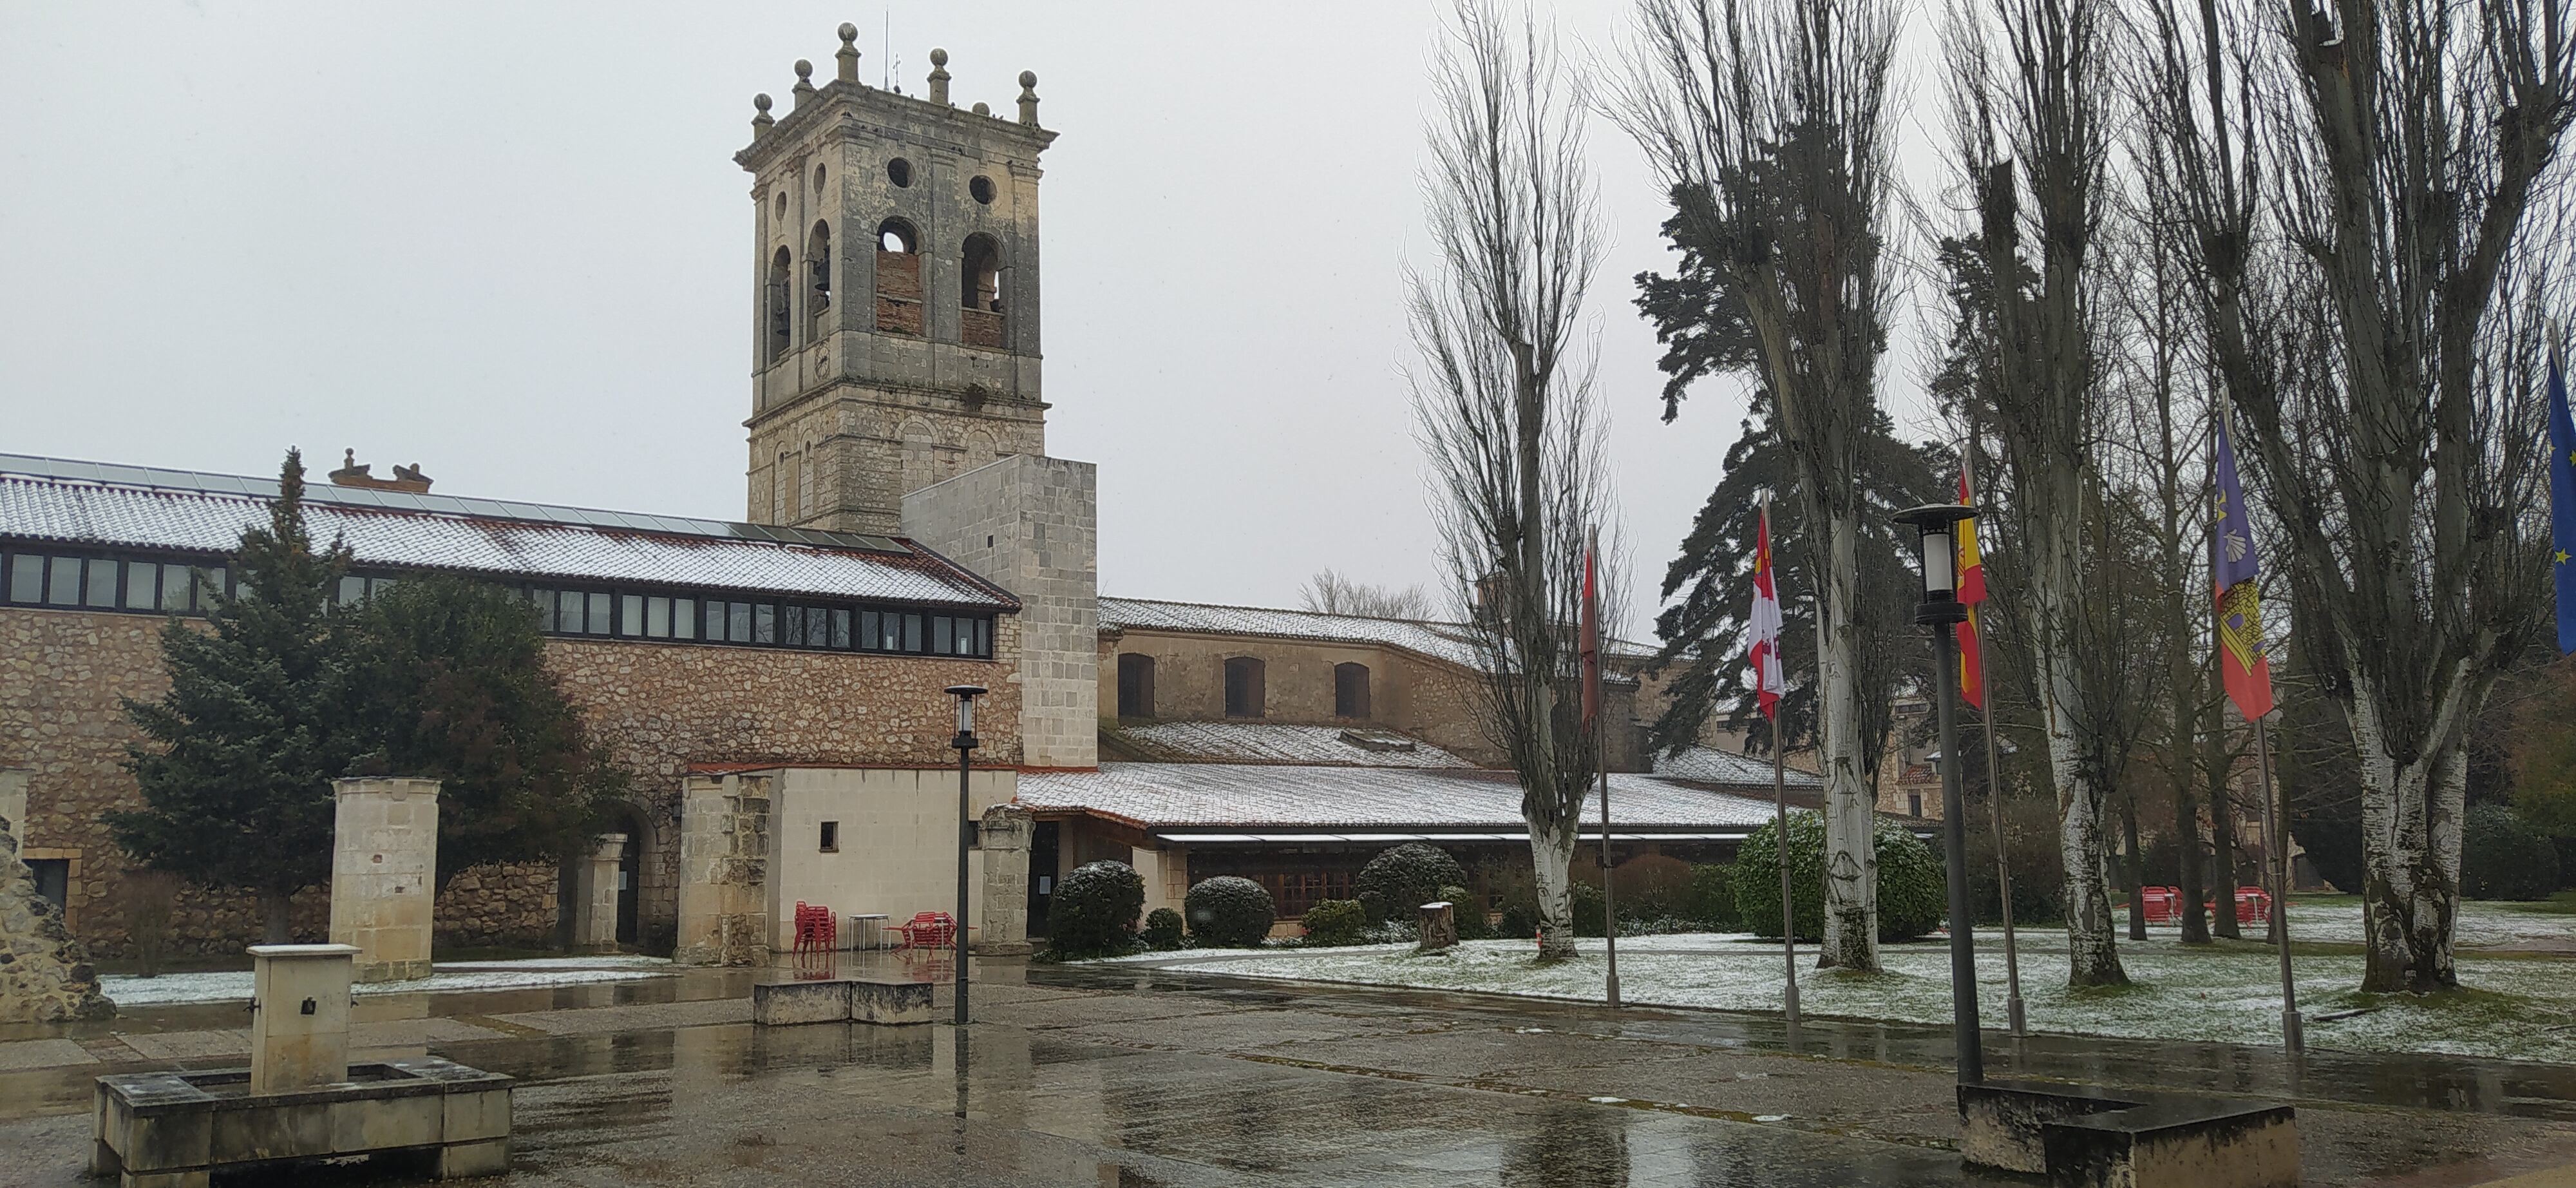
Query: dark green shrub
{"x": 1585, "y": 898}
{"x": 1404, "y": 878}
{"x": 1335, "y": 922}
{"x": 1520, "y": 922}
{"x": 1094, "y": 910}
{"x": 1470, "y": 911}
{"x": 1162, "y": 932}
{"x": 1652, "y": 887}
{"x": 1228, "y": 912}
{"x": 1910, "y": 891}
{"x": 1712, "y": 899}
{"x": 2501, "y": 857}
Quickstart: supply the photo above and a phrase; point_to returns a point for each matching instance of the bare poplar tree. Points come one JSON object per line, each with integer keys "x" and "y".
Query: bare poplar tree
{"x": 1768, "y": 123}
{"x": 1503, "y": 401}
{"x": 1334, "y": 594}
{"x": 2028, "y": 114}
{"x": 2407, "y": 145}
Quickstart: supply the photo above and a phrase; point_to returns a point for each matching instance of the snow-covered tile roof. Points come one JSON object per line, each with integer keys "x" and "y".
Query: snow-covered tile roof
{"x": 1713, "y": 766}
{"x": 1159, "y": 795}
{"x": 1444, "y": 641}
{"x": 140, "y": 507}
{"x": 1279, "y": 742}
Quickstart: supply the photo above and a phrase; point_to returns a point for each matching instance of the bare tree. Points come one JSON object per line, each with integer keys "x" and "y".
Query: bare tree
{"x": 1768, "y": 123}
{"x": 1503, "y": 401}
{"x": 1333, "y": 594}
{"x": 2028, "y": 114}
{"x": 2410, "y": 148}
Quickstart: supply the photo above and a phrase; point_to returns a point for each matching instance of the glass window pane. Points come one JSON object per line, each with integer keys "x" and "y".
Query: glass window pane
{"x": 102, "y": 582}
{"x": 352, "y": 589}
{"x": 942, "y": 641}
{"x": 764, "y": 622}
{"x": 841, "y": 629}
{"x": 657, "y": 617}
{"x": 684, "y": 618}
{"x": 738, "y": 622}
{"x": 215, "y": 582}
{"x": 984, "y": 637}
{"x": 795, "y": 627}
{"x": 630, "y": 614}
{"x": 912, "y": 633}
{"x": 142, "y": 585}
{"x": 599, "y": 612}
{"x": 62, "y": 587}
{"x": 868, "y": 631}
{"x": 377, "y": 586}
{"x": 569, "y": 606}
{"x": 177, "y": 584}
{"x": 26, "y": 578}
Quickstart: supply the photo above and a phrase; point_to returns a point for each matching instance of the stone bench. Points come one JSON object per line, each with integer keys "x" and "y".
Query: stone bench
{"x": 2081, "y": 1136}
{"x": 840, "y": 1000}
{"x": 171, "y": 1130}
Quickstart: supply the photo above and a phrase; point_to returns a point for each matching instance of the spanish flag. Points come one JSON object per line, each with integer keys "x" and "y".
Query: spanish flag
{"x": 1972, "y": 590}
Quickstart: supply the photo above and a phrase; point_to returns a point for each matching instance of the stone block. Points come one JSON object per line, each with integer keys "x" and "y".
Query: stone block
{"x": 383, "y": 1123}
{"x": 249, "y": 1134}
{"x": 458, "y": 1161}
{"x": 477, "y": 1114}
{"x": 160, "y": 1138}
{"x": 787, "y": 1004}
{"x": 2086, "y": 1138}
{"x": 193, "y": 1178}
{"x": 890, "y": 1002}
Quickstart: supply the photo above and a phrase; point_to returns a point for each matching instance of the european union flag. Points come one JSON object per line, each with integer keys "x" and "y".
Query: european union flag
{"x": 2562, "y": 503}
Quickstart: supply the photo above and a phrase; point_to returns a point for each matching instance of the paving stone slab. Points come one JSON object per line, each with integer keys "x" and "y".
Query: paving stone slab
{"x": 43, "y": 1053}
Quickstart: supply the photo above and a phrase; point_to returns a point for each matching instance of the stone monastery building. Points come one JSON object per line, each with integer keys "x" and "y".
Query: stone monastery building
{"x": 776, "y": 683}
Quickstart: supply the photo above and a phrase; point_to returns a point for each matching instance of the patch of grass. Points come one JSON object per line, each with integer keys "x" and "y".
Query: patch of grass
{"x": 2562, "y": 903}
{"x": 2135, "y": 988}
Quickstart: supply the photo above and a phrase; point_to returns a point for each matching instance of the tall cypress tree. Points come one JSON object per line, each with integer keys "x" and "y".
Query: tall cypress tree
{"x": 237, "y": 767}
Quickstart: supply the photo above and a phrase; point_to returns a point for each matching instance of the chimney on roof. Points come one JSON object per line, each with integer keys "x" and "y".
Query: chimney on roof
{"x": 353, "y": 473}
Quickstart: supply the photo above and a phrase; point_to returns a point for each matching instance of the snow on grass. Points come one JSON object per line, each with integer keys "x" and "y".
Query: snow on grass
{"x": 129, "y": 990}
{"x": 2517, "y": 1007}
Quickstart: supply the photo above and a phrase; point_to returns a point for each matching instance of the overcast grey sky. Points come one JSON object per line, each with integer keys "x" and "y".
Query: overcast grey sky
{"x": 505, "y": 241}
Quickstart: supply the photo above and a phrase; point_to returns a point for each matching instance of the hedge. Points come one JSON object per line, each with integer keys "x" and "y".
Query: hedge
{"x": 1228, "y": 912}
{"x": 2501, "y": 857}
{"x": 1094, "y": 910}
{"x": 1910, "y": 891}
{"x": 1404, "y": 878}
{"x": 1335, "y": 922}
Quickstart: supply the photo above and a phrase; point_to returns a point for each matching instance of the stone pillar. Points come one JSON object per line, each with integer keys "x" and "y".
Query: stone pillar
{"x": 299, "y": 1023}
{"x": 384, "y": 867}
{"x": 595, "y": 916}
{"x": 724, "y": 871}
{"x": 1006, "y": 831}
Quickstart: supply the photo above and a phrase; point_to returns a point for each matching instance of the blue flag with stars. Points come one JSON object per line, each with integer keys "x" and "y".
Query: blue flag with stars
{"x": 2562, "y": 502}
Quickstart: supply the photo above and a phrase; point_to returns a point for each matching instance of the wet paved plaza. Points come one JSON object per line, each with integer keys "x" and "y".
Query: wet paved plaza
{"x": 1132, "y": 1076}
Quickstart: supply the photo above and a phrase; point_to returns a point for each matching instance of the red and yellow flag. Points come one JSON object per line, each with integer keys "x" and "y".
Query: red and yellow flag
{"x": 1972, "y": 590}
{"x": 1768, "y": 683}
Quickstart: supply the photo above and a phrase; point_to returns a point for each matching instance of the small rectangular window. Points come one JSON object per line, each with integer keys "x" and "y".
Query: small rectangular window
{"x": 376, "y": 587}
{"x": 142, "y": 585}
{"x": 869, "y": 631}
{"x": 984, "y": 637}
{"x": 738, "y": 622}
{"x": 631, "y": 614}
{"x": 353, "y": 589}
{"x": 943, "y": 639}
{"x": 795, "y": 626}
{"x": 545, "y": 604}
{"x": 841, "y": 630}
{"x": 715, "y": 621}
{"x": 26, "y": 578}
{"x": 178, "y": 588}
{"x": 600, "y": 610}
{"x": 569, "y": 612}
{"x": 912, "y": 633}
{"x": 831, "y": 837}
{"x": 62, "y": 586}
{"x": 764, "y": 622}
{"x": 102, "y": 582}
{"x": 657, "y": 617}
{"x": 684, "y": 618}
{"x": 215, "y": 582}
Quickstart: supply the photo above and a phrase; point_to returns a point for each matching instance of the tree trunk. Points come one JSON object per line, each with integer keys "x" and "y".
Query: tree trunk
{"x": 1551, "y": 860}
{"x": 2195, "y": 920}
{"x": 1851, "y": 825}
{"x": 2137, "y": 865}
{"x": 2093, "y": 958}
{"x": 2222, "y": 828}
{"x": 2410, "y": 856}
{"x": 272, "y": 911}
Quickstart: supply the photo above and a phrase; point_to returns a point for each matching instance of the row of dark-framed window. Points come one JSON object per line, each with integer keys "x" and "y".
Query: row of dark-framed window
{"x": 1246, "y": 687}
{"x": 176, "y": 585}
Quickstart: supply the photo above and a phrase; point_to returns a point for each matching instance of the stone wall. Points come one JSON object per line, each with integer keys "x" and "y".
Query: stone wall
{"x": 507, "y": 905}
{"x": 45, "y": 975}
{"x": 1430, "y": 699}
{"x": 1030, "y": 525}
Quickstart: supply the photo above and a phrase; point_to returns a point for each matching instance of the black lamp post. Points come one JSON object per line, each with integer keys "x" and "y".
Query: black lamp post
{"x": 1934, "y": 524}
{"x": 965, "y": 744}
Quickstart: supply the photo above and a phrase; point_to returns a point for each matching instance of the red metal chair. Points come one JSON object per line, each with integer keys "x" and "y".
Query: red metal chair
{"x": 2253, "y": 906}
{"x": 2162, "y": 905}
{"x": 929, "y": 930}
{"x": 817, "y": 929}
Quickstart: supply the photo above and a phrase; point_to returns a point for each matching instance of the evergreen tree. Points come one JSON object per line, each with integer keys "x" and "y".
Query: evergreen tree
{"x": 236, "y": 773}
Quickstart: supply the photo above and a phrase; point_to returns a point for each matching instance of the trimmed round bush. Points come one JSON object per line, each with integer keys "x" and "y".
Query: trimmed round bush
{"x": 2501, "y": 857}
{"x": 1404, "y": 878}
{"x": 1911, "y": 896}
{"x": 1094, "y": 910}
{"x": 1469, "y": 908}
{"x": 1162, "y": 931}
{"x": 1335, "y": 922}
{"x": 1228, "y": 912}
{"x": 1711, "y": 900}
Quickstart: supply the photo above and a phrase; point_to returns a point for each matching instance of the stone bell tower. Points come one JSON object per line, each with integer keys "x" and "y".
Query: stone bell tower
{"x": 894, "y": 295}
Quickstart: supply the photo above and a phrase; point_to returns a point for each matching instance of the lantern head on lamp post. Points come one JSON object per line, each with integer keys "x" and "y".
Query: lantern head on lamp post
{"x": 965, "y": 744}
{"x": 1934, "y": 526}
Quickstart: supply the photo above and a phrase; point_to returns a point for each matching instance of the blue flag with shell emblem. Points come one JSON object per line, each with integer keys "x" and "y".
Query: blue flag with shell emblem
{"x": 2562, "y": 502}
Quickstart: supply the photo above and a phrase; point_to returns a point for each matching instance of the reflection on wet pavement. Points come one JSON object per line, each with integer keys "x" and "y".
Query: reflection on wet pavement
{"x": 1083, "y": 1075}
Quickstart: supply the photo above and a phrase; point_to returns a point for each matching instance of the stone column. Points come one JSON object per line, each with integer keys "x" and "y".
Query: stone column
{"x": 595, "y": 917}
{"x": 299, "y": 1023}
{"x": 384, "y": 866}
{"x": 724, "y": 871}
{"x": 1006, "y": 832}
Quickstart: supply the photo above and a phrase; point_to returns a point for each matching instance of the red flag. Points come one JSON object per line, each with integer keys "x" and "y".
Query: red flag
{"x": 1591, "y": 633}
{"x": 1767, "y": 682}
{"x": 1972, "y": 590}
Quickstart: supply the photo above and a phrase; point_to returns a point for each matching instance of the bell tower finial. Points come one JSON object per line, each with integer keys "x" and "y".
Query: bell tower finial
{"x": 849, "y": 54}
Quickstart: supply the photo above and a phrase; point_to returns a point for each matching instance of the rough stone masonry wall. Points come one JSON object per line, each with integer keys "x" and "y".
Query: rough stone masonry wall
{"x": 661, "y": 707}
{"x": 45, "y": 975}
{"x": 1031, "y": 526}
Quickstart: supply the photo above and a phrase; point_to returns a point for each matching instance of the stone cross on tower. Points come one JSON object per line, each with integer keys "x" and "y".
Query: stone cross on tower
{"x": 894, "y": 295}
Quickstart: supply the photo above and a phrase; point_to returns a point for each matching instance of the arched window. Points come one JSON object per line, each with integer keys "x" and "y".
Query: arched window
{"x": 898, "y": 278}
{"x": 979, "y": 283}
{"x": 780, "y": 269}
{"x": 818, "y": 270}
{"x": 1244, "y": 694}
{"x": 1350, "y": 691}
{"x": 1135, "y": 685}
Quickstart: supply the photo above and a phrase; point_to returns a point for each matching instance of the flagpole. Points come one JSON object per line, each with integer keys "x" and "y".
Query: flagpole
{"x": 1780, "y": 808}
{"x": 1994, "y": 777}
{"x": 1601, "y": 763}
{"x": 2277, "y": 843}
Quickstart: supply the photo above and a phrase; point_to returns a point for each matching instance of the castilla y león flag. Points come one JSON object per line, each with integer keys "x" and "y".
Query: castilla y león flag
{"x": 2242, "y": 665}
{"x": 1972, "y": 590}
{"x": 1767, "y": 682}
